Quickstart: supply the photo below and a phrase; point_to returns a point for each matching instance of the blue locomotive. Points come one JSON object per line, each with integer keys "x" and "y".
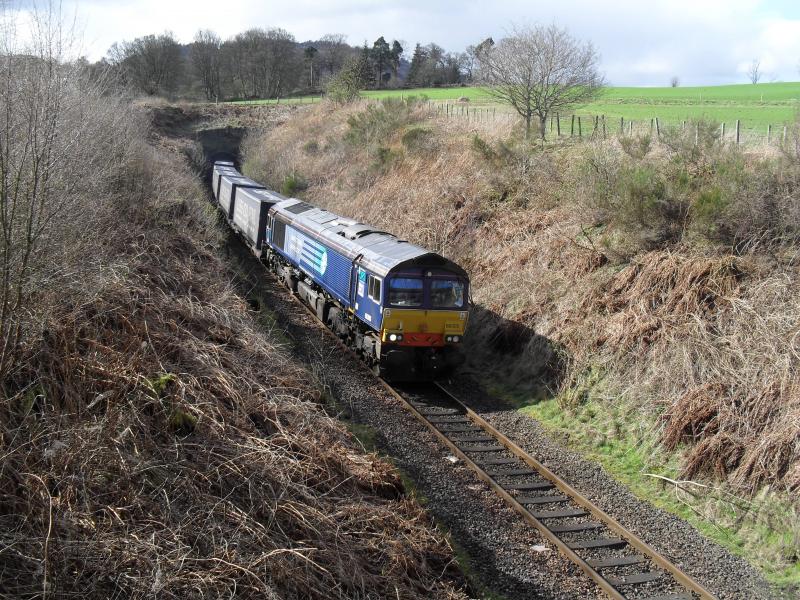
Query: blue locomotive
{"x": 402, "y": 308}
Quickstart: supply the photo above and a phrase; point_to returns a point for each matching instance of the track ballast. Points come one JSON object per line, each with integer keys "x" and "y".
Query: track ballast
{"x": 621, "y": 564}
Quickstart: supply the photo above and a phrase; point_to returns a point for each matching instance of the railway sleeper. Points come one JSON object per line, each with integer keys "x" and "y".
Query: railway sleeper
{"x": 511, "y": 472}
{"x": 523, "y": 487}
{"x": 542, "y": 500}
{"x": 597, "y": 543}
{"x": 576, "y": 527}
{"x": 619, "y": 561}
{"x": 634, "y": 579}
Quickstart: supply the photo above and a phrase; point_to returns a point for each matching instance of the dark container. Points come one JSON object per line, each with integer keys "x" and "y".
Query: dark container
{"x": 228, "y": 184}
{"x": 250, "y": 210}
{"x": 216, "y": 175}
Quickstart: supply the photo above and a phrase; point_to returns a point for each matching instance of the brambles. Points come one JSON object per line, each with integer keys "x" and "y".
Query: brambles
{"x": 377, "y": 123}
{"x": 417, "y": 139}
{"x": 345, "y": 86}
{"x": 311, "y": 147}
{"x": 293, "y": 183}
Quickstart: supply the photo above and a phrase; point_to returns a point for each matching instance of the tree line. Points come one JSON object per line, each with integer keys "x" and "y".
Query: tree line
{"x": 271, "y": 63}
{"x": 536, "y": 70}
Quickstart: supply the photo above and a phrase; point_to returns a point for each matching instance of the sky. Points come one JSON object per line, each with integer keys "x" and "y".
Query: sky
{"x": 641, "y": 42}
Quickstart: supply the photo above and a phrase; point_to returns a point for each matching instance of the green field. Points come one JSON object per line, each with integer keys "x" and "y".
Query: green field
{"x": 756, "y": 106}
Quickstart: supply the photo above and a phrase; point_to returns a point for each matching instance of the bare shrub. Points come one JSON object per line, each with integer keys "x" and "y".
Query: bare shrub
{"x": 637, "y": 146}
{"x": 377, "y": 123}
{"x": 62, "y": 138}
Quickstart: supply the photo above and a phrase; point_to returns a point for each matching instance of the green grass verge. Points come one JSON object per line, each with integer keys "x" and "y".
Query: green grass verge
{"x": 764, "y": 530}
{"x": 756, "y": 106}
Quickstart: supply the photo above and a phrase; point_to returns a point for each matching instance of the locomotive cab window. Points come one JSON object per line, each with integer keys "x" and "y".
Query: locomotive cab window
{"x": 374, "y": 289}
{"x": 406, "y": 291}
{"x": 447, "y": 293}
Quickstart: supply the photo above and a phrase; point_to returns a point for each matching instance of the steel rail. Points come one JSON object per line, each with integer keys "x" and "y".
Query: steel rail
{"x": 682, "y": 578}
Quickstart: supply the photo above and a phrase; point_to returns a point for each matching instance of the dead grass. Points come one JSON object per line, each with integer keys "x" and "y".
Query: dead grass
{"x": 155, "y": 442}
{"x": 700, "y": 343}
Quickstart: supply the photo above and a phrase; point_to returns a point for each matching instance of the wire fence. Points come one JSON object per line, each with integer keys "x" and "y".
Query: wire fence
{"x": 592, "y": 127}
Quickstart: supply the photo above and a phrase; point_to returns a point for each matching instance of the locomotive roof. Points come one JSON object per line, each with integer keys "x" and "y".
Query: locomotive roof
{"x": 380, "y": 252}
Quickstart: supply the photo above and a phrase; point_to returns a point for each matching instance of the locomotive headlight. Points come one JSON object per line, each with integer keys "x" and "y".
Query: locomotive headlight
{"x": 399, "y": 337}
{"x": 392, "y": 337}
{"x": 462, "y": 316}
{"x": 456, "y": 339}
{"x": 448, "y": 338}
{"x": 387, "y": 312}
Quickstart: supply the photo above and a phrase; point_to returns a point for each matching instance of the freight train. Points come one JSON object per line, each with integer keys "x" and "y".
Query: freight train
{"x": 402, "y": 308}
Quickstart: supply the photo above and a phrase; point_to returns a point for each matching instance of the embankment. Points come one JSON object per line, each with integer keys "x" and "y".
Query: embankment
{"x": 156, "y": 440}
{"x": 637, "y": 295}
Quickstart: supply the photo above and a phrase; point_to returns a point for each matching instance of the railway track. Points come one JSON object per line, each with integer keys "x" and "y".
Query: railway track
{"x": 621, "y": 564}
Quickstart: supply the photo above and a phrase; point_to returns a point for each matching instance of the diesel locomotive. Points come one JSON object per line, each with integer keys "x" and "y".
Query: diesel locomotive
{"x": 402, "y": 308}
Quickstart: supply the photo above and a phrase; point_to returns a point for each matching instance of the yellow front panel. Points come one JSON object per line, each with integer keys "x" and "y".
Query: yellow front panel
{"x": 404, "y": 320}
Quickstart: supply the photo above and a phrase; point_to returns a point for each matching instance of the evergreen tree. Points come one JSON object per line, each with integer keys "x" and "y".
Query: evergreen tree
{"x": 365, "y": 66}
{"x": 417, "y": 62}
{"x": 397, "y": 52}
{"x": 381, "y": 58}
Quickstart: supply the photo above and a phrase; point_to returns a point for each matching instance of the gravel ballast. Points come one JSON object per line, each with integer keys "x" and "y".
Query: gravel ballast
{"x": 507, "y": 557}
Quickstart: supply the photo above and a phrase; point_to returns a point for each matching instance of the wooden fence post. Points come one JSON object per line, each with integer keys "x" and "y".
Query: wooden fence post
{"x": 658, "y": 129}
{"x": 769, "y": 133}
{"x": 784, "y": 133}
{"x": 630, "y": 127}
{"x": 604, "y": 127}
{"x": 622, "y": 125}
{"x": 723, "y": 131}
{"x": 696, "y": 133}
{"x": 558, "y": 125}
{"x": 580, "y": 132}
{"x": 572, "y": 127}
{"x": 737, "y": 131}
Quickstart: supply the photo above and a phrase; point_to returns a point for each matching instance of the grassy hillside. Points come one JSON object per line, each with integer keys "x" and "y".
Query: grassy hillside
{"x": 639, "y": 298}
{"x": 156, "y": 441}
{"x": 755, "y": 105}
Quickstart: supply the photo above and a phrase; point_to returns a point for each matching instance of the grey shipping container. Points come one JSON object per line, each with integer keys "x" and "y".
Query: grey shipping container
{"x": 228, "y": 185}
{"x": 250, "y": 211}
{"x": 217, "y": 173}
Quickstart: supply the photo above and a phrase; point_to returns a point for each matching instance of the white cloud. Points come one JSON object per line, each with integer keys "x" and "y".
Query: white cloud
{"x": 641, "y": 43}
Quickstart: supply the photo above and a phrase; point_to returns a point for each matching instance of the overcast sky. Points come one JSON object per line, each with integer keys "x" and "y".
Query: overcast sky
{"x": 642, "y": 42}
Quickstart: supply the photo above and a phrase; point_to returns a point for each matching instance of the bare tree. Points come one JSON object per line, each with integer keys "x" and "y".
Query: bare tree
{"x": 674, "y": 82}
{"x": 206, "y": 59}
{"x": 60, "y": 132}
{"x": 540, "y": 70}
{"x": 754, "y": 71}
{"x": 309, "y": 53}
{"x": 333, "y": 53}
{"x": 263, "y": 63}
{"x": 152, "y": 63}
